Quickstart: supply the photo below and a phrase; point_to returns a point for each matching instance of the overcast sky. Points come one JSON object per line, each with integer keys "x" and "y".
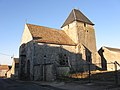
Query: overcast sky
{"x": 105, "y": 14}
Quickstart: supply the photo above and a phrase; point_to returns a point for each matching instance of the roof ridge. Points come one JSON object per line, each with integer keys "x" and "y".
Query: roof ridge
{"x": 44, "y": 26}
{"x": 112, "y": 49}
{"x": 74, "y": 14}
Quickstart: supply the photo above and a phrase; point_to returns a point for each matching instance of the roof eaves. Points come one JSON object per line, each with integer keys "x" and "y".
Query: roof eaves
{"x": 56, "y": 43}
{"x": 85, "y": 22}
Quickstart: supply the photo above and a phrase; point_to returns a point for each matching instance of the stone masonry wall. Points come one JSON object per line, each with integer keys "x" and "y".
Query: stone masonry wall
{"x": 48, "y": 54}
{"x": 84, "y": 34}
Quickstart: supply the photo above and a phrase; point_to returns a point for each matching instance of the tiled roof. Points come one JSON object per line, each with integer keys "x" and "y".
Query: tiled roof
{"x": 76, "y": 15}
{"x": 49, "y": 35}
{"x": 113, "y": 49}
{"x": 4, "y": 67}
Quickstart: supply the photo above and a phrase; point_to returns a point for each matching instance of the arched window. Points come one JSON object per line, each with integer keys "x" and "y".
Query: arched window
{"x": 63, "y": 59}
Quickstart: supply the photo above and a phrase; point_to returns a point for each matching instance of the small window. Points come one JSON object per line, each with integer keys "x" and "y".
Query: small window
{"x": 63, "y": 60}
{"x": 68, "y": 26}
{"x": 85, "y": 25}
{"x": 44, "y": 62}
{"x": 102, "y": 50}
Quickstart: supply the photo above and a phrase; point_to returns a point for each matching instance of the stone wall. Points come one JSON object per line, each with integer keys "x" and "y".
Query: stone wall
{"x": 84, "y": 34}
{"x": 26, "y": 53}
{"x": 44, "y": 60}
{"x": 71, "y": 31}
{"x": 46, "y": 57}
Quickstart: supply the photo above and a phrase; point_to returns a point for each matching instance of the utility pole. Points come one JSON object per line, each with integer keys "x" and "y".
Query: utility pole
{"x": 116, "y": 73}
{"x": 89, "y": 72}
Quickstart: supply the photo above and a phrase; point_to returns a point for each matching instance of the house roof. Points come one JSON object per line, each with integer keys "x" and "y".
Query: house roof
{"x": 43, "y": 34}
{"x": 4, "y": 67}
{"x": 113, "y": 49}
{"x": 76, "y": 15}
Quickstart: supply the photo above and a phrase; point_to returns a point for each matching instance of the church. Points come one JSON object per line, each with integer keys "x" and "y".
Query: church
{"x": 46, "y": 53}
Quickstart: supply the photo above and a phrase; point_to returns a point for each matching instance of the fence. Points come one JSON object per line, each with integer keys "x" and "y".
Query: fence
{"x": 108, "y": 73}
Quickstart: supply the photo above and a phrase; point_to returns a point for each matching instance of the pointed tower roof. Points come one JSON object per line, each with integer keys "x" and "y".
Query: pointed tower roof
{"x": 76, "y": 15}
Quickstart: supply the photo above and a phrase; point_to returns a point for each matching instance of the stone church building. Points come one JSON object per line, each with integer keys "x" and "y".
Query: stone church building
{"x": 46, "y": 53}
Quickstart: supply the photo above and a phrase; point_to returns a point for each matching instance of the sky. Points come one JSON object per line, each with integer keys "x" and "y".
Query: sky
{"x": 105, "y": 14}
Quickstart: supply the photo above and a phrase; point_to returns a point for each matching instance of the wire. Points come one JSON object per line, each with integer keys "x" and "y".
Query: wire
{"x": 5, "y": 54}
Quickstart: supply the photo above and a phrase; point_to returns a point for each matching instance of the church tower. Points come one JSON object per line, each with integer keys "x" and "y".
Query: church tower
{"x": 81, "y": 30}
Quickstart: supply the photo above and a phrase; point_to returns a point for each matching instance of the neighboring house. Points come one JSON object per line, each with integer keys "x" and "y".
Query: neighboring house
{"x": 9, "y": 72}
{"x": 108, "y": 57}
{"x": 3, "y": 71}
{"x": 46, "y": 53}
{"x": 15, "y": 68}
{"x": 13, "y": 72}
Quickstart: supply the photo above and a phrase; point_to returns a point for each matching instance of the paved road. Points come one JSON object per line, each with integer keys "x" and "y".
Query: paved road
{"x": 8, "y": 84}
